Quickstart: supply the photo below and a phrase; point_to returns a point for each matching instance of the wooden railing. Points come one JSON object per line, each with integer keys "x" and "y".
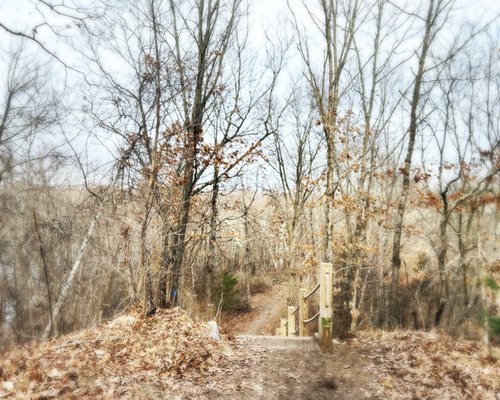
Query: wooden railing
{"x": 288, "y": 326}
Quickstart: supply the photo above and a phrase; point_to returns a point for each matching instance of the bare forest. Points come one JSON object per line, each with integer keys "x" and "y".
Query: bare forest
{"x": 199, "y": 159}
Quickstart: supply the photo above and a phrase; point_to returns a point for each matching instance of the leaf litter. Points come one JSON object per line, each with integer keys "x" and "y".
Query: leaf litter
{"x": 413, "y": 365}
{"x": 129, "y": 357}
{"x": 170, "y": 356}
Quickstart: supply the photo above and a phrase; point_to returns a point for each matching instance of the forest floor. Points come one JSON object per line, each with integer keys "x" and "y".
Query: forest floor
{"x": 295, "y": 368}
{"x": 170, "y": 356}
{"x": 290, "y": 368}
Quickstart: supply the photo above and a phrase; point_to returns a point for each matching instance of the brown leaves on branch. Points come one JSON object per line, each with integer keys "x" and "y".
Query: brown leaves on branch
{"x": 429, "y": 199}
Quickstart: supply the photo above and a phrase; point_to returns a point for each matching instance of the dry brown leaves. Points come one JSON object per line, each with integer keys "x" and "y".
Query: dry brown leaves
{"x": 170, "y": 356}
{"x": 129, "y": 357}
{"x": 428, "y": 365}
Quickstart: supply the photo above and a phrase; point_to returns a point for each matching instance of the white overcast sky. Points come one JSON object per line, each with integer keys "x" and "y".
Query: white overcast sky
{"x": 266, "y": 16}
{"x": 270, "y": 15}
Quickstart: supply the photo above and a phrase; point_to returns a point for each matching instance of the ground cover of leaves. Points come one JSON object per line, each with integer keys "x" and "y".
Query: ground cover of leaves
{"x": 428, "y": 365}
{"x": 170, "y": 356}
{"x": 129, "y": 357}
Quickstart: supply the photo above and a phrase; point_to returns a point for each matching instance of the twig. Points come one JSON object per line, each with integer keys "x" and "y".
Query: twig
{"x": 219, "y": 308}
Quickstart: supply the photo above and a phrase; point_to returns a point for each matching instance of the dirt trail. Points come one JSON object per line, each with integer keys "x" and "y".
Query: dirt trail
{"x": 133, "y": 357}
{"x": 291, "y": 368}
{"x": 268, "y": 312}
{"x": 267, "y": 309}
{"x": 295, "y": 368}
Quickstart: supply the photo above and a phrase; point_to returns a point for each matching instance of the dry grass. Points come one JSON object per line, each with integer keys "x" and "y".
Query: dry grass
{"x": 260, "y": 284}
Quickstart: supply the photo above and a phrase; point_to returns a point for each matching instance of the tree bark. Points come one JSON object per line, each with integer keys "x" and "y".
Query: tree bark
{"x": 72, "y": 274}
{"x": 405, "y": 170}
{"x": 45, "y": 272}
{"x": 212, "y": 238}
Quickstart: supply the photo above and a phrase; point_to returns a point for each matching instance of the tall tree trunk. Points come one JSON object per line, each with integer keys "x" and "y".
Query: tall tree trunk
{"x": 405, "y": 170}
{"x": 45, "y": 270}
{"x": 154, "y": 165}
{"x": 462, "y": 237}
{"x": 72, "y": 274}
{"x": 179, "y": 236}
{"x": 330, "y": 192}
{"x": 247, "y": 268}
{"x": 443, "y": 249}
{"x": 165, "y": 261}
{"x": 212, "y": 238}
{"x": 145, "y": 266}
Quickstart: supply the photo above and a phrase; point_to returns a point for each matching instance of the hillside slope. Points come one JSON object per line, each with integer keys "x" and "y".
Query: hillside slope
{"x": 169, "y": 356}
{"x": 129, "y": 357}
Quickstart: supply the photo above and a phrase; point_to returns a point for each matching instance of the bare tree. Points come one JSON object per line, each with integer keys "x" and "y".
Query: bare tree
{"x": 191, "y": 105}
{"x": 337, "y": 22}
{"x": 436, "y": 17}
{"x": 27, "y": 107}
{"x": 294, "y": 157}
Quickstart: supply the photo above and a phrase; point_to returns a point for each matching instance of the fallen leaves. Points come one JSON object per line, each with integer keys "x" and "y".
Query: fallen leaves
{"x": 130, "y": 356}
{"x": 170, "y": 354}
{"x": 428, "y": 365}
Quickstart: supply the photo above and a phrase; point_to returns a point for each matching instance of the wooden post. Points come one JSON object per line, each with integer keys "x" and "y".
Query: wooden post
{"x": 291, "y": 321}
{"x": 303, "y": 313}
{"x": 283, "y": 327}
{"x": 325, "y": 307}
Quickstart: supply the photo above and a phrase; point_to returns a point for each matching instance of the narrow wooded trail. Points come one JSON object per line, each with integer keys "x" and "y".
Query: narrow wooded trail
{"x": 295, "y": 367}
{"x": 168, "y": 356}
{"x": 263, "y": 319}
{"x": 268, "y": 312}
{"x": 368, "y": 365}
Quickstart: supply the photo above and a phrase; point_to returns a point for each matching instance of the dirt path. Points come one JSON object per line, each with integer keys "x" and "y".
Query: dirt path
{"x": 290, "y": 368}
{"x": 295, "y": 368}
{"x": 267, "y": 309}
{"x": 169, "y": 357}
{"x": 268, "y": 312}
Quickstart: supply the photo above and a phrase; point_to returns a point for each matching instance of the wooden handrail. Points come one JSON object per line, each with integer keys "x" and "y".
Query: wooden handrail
{"x": 325, "y": 287}
{"x": 312, "y": 291}
{"x": 306, "y": 321}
